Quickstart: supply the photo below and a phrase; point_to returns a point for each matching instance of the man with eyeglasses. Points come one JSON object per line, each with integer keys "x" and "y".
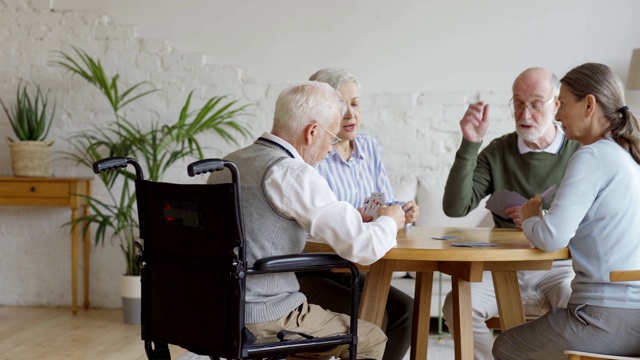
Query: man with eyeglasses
{"x": 334, "y": 138}
{"x": 527, "y": 161}
{"x": 284, "y": 199}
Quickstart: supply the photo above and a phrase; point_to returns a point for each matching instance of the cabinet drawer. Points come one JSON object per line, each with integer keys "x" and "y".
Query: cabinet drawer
{"x": 34, "y": 189}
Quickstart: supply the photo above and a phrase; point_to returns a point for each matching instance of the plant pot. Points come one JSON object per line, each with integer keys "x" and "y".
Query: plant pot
{"x": 31, "y": 158}
{"x": 131, "y": 290}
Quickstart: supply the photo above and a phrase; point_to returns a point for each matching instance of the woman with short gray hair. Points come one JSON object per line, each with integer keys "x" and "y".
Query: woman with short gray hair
{"x": 354, "y": 171}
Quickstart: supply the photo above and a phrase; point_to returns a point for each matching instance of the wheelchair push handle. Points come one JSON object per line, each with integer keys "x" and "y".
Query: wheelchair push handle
{"x": 205, "y": 166}
{"x": 117, "y": 162}
{"x": 211, "y": 165}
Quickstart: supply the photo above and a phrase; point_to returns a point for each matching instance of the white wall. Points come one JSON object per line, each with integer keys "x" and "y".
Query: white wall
{"x": 394, "y": 46}
{"x": 420, "y": 63}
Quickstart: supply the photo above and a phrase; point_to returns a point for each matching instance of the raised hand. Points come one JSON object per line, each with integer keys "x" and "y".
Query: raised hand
{"x": 475, "y": 122}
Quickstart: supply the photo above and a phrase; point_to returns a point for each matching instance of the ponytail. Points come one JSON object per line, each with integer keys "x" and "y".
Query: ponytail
{"x": 625, "y": 131}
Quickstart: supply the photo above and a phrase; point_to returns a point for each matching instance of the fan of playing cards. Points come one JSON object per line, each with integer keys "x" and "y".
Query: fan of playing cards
{"x": 373, "y": 203}
{"x": 503, "y": 199}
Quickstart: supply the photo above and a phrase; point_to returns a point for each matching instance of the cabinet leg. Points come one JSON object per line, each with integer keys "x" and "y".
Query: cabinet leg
{"x": 86, "y": 258}
{"x": 74, "y": 262}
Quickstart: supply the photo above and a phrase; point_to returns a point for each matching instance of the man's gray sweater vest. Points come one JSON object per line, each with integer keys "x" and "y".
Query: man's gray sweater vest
{"x": 267, "y": 231}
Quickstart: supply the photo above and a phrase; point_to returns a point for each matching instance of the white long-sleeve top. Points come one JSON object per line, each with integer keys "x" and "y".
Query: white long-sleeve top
{"x": 298, "y": 191}
{"x": 596, "y": 212}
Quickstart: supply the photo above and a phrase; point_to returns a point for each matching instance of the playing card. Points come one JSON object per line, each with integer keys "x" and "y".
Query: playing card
{"x": 445, "y": 237}
{"x": 512, "y": 198}
{"x": 501, "y": 200}
{"x": 365, "y": 206}
{"x": 473, "y": 244}
{"x": 378, "y": 196}
{"x": 547, "y": 194}
{"x": 401, "y": 203}
{"x": 375, "y": 205}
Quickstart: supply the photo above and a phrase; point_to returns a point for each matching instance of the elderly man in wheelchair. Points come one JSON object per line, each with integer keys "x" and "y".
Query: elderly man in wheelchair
{"x": 219, "y": 259}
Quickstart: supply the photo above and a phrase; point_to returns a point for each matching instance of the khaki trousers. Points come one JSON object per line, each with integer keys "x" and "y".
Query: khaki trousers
{"x": 314, "y": 320}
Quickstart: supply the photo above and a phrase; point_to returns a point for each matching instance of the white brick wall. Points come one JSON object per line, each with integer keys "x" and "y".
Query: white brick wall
{"x": 418, "y": 129}
{"x": 35, "y": 248}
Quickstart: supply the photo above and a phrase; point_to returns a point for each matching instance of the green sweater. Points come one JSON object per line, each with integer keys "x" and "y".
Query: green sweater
{"x": 500, "y": 166}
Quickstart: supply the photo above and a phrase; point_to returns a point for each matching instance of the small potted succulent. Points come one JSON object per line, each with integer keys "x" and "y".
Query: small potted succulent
{"x": 30, "y": 153}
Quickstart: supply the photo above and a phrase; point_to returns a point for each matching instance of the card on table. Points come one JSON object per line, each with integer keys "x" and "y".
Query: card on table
{"x": 473, "y": 244}
{"x": 445, "y": 237}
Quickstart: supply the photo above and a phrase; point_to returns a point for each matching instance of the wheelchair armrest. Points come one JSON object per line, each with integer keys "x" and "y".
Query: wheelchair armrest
{"x": 300, "y": 262}
{"x": 314, "y": 262}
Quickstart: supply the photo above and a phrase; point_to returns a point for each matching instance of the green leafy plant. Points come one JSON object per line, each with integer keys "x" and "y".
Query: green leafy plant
{"x": 156, "y": 146}
{"x": 28, "y": 114}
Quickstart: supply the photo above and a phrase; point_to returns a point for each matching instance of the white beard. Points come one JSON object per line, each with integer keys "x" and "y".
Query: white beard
{"x": 533, "y": 134}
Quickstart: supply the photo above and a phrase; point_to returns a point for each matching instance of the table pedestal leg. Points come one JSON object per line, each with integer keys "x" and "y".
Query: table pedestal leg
{"x": 421, "y": 315}
{"x": 508, "y": 298}
{"x": 463, "y": 334}
{"x": 376, "y": 291}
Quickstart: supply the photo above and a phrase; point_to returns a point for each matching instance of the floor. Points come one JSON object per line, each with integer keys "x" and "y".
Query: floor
{"x": 55, "y": 333}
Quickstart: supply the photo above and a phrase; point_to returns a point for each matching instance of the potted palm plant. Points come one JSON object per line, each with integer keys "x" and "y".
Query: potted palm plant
{"x": 156, "y": 146}
{"x": 30, "y": 154}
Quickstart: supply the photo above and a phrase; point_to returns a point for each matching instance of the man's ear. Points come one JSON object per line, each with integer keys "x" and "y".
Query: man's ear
{"x": 310, "y": 132}
{"x": 556, "y": 106}
{"x": 590, "y": 102}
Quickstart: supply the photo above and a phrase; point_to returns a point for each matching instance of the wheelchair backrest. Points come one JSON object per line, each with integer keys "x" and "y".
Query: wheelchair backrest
{"x": 193, "y": 259}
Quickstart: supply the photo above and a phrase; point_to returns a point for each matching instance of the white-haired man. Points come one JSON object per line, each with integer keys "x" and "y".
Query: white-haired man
{"x": 527, "y": 161}
{"x": 284, "y": 199}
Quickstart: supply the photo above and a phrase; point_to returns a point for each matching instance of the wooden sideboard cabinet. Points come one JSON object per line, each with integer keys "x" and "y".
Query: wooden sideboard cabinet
{"x": 53, "y": 191}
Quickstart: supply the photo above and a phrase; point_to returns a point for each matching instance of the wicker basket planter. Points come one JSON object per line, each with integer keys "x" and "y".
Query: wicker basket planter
{"x": 31, "y": 158}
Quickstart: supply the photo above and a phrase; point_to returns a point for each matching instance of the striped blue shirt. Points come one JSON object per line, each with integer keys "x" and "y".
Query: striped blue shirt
{"x": 354, "y": 180}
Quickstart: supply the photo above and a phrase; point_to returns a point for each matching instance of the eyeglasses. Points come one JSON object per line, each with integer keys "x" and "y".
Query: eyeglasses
{"x": 535, "y": 106}
{"x": 335, "y": 139}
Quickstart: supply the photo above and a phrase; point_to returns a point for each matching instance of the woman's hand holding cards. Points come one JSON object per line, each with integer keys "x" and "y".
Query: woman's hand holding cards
{"x": 412, "y": 211}
{"x": 531, "y": 208}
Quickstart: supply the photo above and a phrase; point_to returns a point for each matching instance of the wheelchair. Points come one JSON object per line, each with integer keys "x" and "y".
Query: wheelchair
{"x": 194, "y": 269}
